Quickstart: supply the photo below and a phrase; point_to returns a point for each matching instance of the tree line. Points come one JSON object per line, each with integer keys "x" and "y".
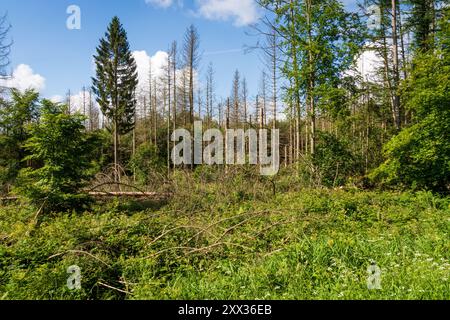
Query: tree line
{"x": 338, "y": 124}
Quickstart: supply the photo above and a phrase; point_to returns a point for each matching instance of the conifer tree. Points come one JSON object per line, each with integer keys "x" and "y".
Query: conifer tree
{"x": 115, "y": 82}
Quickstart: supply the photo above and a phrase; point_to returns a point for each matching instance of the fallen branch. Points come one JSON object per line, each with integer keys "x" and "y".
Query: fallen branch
{"x": 129, "y": 194}
{"x": 115, "y": 183}
{"x": 9, "y": 198}
{"x": 79, "y": 252}
{"x": 113, "y": 288}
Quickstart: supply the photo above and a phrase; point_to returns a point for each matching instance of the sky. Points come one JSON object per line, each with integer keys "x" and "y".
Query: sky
{"x": 53, "y": 59}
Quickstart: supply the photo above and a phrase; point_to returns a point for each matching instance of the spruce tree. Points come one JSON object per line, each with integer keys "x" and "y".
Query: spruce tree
{"x": 115, "y": 83}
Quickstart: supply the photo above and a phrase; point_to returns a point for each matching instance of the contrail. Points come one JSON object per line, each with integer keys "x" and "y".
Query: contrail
{"x": 210, "y": 53}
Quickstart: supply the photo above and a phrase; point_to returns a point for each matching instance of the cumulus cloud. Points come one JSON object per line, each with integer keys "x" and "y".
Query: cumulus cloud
{"x": 241, "y": 12}
{"x": 368, "y": 64}
{"x": 160, "y": 3}
{"x": 24, "y": 78}
{"x": 158, "y": 62}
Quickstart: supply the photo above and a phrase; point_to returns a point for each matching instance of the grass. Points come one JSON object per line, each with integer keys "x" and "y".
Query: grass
{"x": 310, "y": 244}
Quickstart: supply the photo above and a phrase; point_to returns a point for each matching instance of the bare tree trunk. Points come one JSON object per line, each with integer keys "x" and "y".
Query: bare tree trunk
{"x": 311, "y": 79}
{"x": 395, "y": 66}
{"x": 116, "y": 158}
{"x": 155, "y": 114}
{"x": 274, "y": 78}
{"x": 174, "y": 66}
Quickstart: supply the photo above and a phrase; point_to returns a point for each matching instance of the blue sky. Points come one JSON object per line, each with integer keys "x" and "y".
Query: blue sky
{"x": 63, "y": 58}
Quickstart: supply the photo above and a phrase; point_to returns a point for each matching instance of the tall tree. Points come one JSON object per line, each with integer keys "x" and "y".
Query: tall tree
{"x": 209, "y": 93}
{"x": 115, "y": 83}
{"x": 245, "y": 100}
{"x": 322, "y": 40}
{"x": 174, "y": 71}
{"x": 420, "y": 22}
{"x": 235, "y": 98}
{"x": 5, "y": 44}
{"x": 191, "y": 59}
{"x": 395, "y": 65}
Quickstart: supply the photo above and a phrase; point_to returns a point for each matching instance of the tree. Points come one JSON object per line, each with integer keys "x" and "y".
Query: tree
{"x": 421, "y": 22}
{"x": 210, "y": 97}
{"x": 15, "y": 116}
{"x": 235, "y": 98}
{"x": 419, "y": 156}
{"x": 245, "y": 100}
{"x": 5, "y": 45}
{"x": 321, "y": 39}
{"x": 115, "y": 83}
{"x": 63, "y": 152}
{"x": 191, "y": 59}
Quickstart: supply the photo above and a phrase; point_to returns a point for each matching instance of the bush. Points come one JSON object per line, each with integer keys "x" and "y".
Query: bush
{"x": 419, "y": 157}
{"x": 333, "y": 162}
{"x": 146, "y": 161}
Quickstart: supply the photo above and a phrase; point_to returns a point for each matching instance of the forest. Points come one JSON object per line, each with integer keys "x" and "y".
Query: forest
{"x": 94, "y": 207}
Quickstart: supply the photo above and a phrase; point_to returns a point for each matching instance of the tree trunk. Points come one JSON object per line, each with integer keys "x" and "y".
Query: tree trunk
{"x": 395, "y": 66}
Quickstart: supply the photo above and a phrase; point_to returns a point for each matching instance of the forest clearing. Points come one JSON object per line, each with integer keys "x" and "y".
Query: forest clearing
{"x": 321, "y": 171}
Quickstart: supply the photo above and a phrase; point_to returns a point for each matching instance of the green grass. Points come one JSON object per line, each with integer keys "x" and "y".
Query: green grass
{"x": 314, "y": 244}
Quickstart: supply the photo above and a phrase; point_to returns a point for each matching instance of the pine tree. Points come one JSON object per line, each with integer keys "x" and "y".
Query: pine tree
{"x": 115, "y": 82}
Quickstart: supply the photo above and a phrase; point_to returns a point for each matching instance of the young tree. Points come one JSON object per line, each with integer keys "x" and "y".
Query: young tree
{"x": 64, "y": 150}
{"x": 115, "y": 83}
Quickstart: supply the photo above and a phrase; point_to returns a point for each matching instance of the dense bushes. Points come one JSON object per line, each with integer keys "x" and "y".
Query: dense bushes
{"x": 334, "y": 161}
{"x": 146, "y": 162}
{"x": 419, "y": 156}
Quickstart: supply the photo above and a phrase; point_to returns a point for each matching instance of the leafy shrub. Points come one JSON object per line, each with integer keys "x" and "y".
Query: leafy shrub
{"x": 331, "y": 165}
{"x": 419, "y": 157}
{"x": 146, "y": 161}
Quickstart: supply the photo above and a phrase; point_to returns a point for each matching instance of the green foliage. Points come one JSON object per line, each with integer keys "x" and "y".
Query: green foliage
{"x": 116, "y": 78}
{"x": 147, "y": 160}
{"x": 15, "y": 115}
{"x": 321, "y": 40}
{"x": 61, "y": 152}
{"x": 333, "y": 161}
{"x": 419, "y": 156}
{"x": 302, "y": 245}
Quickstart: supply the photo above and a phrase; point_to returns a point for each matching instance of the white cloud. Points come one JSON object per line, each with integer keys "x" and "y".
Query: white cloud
{"x": 160, "y": 3}
{"x": 76, "y": 102}
{"x": 368, "y": 65}
{"x": 158, "y": 62}
{"x": 24, "y": 78}
{"x": 242, "y": 12}
{"x": 57, "y": 99}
